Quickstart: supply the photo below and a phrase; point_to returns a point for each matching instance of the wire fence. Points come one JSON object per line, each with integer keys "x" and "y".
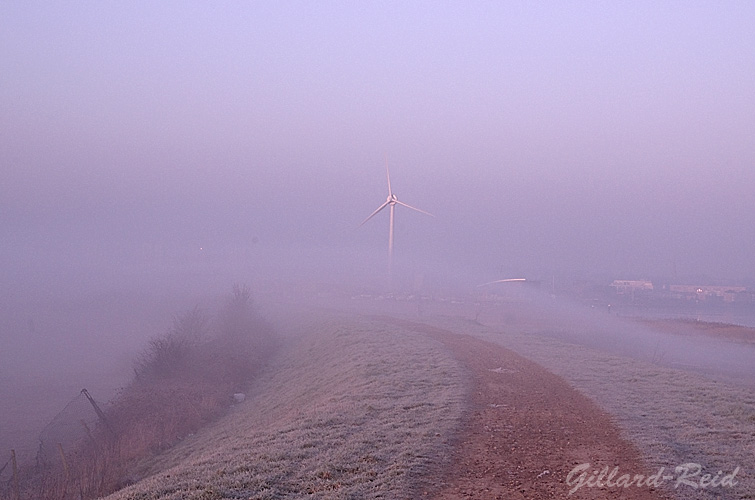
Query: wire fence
{"x": 12, "y": 483}
{"x": 66, "y": 437}
{"x": 2, "y": 469}
{"x": 68, "y": 429}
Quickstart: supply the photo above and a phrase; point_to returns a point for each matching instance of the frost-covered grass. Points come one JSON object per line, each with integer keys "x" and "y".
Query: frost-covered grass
{"x": 351, "y": 408}
{"x": 675, "y": 417}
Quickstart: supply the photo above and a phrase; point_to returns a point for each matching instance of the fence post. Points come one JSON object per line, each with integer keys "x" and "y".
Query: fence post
{"x": 99, "y": 413}
{"x": 16, "y": 490}
{"x": 65, "y": 468}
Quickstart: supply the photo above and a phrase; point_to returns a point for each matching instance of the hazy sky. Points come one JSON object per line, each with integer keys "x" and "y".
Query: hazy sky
{"x": 615, "y": 137}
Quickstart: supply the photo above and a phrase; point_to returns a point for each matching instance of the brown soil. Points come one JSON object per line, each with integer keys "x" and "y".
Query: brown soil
{"x": 526, "y": 429}
{"x": 737, "y": 333}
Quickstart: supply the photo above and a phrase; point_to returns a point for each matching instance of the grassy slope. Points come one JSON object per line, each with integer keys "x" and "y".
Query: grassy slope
{"x": 352, "y": 409}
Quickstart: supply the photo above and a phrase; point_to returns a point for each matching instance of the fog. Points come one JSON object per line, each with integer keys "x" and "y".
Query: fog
{"x": 543, "y": 138}
{"x": 151, "y": 155}
{"x": 620, "y": 333}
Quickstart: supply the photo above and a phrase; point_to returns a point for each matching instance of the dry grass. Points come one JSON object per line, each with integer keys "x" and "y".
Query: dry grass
{"x": 353, "y": 409}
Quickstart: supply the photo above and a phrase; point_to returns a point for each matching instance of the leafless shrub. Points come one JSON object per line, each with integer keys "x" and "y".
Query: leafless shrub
{"x": 169, "y": 354}
{"x": 183, "y": 380}
{"x": 238, "y": 314}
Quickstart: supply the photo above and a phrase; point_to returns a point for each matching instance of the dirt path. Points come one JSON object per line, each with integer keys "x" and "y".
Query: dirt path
{"x": 527, "y": 429}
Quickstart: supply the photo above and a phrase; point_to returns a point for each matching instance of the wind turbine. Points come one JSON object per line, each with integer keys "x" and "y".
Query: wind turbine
{"x": 391, "y": 202}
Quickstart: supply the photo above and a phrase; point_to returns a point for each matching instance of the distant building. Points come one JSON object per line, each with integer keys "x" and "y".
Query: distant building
{"x": 708, "y": 292}
{"x": 625, "y": 287}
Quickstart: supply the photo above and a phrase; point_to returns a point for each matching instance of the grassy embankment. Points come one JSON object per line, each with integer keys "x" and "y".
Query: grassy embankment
{"x": 353, "y": 409}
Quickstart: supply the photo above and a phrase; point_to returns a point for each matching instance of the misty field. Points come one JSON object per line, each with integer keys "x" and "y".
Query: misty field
{"x": 353, "y": 409}
{"x": 356, "y": 406}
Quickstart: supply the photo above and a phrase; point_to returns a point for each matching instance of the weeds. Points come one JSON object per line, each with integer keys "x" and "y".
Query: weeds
{"x": 183, "y": 380}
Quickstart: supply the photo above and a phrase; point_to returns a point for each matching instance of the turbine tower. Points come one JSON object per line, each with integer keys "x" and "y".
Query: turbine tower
{"x": 391, "y": 203}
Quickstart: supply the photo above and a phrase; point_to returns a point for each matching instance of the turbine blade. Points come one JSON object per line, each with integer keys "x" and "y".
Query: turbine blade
{"x": 388, "y": 174}
{"x": 414, "y": 208}
{"x": 373, "y": 214}
{"x": 502, "y": 281}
